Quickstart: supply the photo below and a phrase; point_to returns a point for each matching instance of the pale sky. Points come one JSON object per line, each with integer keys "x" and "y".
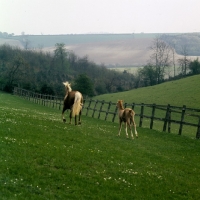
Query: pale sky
{"x": 99, "y": 16}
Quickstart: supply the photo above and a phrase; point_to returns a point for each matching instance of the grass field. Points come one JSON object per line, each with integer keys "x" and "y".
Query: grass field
{"x": 176, "y": 93}
{"x": 43, "y": 158}
{"x": 180, "y": 92}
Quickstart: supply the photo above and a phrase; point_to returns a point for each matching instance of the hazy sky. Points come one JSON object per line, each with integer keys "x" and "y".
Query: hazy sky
{"x": 99, "y": 16}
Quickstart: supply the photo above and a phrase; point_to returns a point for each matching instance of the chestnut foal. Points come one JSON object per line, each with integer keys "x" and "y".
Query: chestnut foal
{"x": 126, "y": 115}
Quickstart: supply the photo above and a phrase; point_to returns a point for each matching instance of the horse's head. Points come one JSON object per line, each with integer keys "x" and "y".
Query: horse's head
{"x": 67, "y": 86}
{"x": 120, "y": 104}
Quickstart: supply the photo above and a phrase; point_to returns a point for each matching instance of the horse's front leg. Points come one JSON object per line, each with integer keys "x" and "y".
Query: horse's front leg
{"x": 120, "y": 127}
{"x": 63, "y": 117}
{"x": 70, "y": 117}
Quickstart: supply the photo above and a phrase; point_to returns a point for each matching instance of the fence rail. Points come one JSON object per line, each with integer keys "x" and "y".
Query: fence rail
{"x": 165, "y": 117}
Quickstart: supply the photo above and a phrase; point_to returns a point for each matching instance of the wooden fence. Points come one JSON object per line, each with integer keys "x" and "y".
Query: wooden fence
{"x": 165, "y": 118}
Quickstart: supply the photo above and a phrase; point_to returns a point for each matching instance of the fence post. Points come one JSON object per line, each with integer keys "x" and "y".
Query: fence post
{"x": 133, "y": 106}
{"x": 198, "y": 130}
{"x": 94, "y": 108}
{"x": 182, "y": 118}
{"x": 166, "y": 120}
{"x": 125, "y": 105}
{"x": 169, "y": 121}
{"x": 100, "y": 109}
{"x": 108, "y": 110}
{"x": 141, "y": 115}
{"x": 60, "y": 104}
{"x": 152, "y": 115}
{"x": 114, "y": 115}
{"x": 88, "y": 107}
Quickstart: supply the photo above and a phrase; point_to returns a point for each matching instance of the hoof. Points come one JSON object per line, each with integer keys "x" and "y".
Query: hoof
{"x": 64, "y": 120}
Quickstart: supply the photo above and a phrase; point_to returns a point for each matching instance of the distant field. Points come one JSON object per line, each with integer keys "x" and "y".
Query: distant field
{"x": 112, "y": 50}
{"x": 11, "y": 42}
{"x": 134, "y": 70}
{"x": 43, "y": 158}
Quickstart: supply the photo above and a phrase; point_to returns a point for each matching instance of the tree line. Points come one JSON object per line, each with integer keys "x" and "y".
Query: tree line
{"x": 44, "y": 72}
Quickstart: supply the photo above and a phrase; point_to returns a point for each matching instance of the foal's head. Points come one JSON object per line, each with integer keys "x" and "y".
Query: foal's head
{"x": 67, "y": 86}
{"x": 120, "y": 104}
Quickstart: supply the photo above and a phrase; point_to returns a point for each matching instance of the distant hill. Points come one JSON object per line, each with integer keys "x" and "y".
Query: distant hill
{"x": 11, "y": 42}
{"x": 113, "y": 50}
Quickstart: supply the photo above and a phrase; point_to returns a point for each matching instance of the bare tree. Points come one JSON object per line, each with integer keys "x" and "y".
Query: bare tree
{"x": 184, "y": 62}
{"x": 160, "y": 57}
{"x": 173, "y": 59}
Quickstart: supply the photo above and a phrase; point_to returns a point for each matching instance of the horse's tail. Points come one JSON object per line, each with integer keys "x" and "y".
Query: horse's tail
{"x": 78, "y": 104}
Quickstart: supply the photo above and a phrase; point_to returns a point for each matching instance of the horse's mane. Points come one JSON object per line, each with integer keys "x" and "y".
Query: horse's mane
{"x": 67, "y": 86}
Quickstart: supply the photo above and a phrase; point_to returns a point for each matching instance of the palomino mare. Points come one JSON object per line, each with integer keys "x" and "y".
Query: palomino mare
{"x": 73, "y": 100}
{"x": 126, "y": 115}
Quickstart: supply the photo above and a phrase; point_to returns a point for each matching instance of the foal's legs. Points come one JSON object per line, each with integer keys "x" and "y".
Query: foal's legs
{"x": 120, "y": 127}
{"x": 134, "y": 124}
{"x": 129, "y": 125}
{"x": 125, "y": 123}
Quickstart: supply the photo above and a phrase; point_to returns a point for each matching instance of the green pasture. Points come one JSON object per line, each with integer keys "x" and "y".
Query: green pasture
{"x": 176, "y": 93}
{"x": 43, "y": 158}
{"x": 180, "y": 92}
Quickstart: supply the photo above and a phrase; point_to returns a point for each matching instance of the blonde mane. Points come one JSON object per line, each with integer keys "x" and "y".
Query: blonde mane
{"x": 67, "y": 86}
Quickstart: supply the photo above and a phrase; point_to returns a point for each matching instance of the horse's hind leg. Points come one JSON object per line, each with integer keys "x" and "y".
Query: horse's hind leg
{"x": 79, "y": 117}
{"x": 75, "y": 118}
{"x": 134, "y": 124}
{"x": 136, "y": 133}
{"x": 127, "y": 123}
{"x": 131, "y": 130}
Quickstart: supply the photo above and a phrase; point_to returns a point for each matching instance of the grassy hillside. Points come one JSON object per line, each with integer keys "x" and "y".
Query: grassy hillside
{"x": 43, "y": 158}
{"x": 73, "y": 39}
{"x": 180, "y": 92}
